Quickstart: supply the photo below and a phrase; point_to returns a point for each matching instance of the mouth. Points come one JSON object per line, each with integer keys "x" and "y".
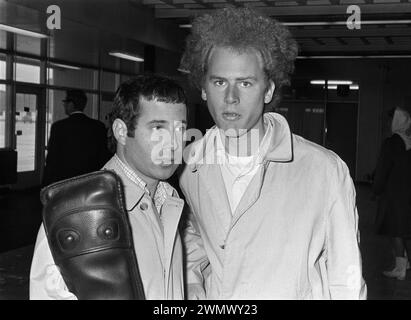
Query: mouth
{"x": 231, "y": 116}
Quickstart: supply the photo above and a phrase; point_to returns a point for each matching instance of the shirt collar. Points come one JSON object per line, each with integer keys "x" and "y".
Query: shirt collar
{"x": 276, "y": 146}
{"x": 163, "y": 190}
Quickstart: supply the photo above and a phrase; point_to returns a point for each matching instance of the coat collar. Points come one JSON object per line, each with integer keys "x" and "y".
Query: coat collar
{"x": 280, "y": 150}
{"x": 133, "y": 191}
{"x": 171, "y": 211}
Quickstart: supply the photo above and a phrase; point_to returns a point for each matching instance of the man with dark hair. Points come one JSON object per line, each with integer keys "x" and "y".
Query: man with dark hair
{"x": 273, "y": 215}
{"x": 147, "y": 122}
{"x": 77, "y": 144}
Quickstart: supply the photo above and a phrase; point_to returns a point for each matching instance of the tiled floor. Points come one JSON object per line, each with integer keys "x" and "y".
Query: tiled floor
{"x": 14, "y": 273}
{"x": 15, "y": 264}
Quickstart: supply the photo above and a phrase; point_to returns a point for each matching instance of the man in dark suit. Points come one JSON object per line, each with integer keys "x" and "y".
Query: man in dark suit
{"x": 77, "y": 144}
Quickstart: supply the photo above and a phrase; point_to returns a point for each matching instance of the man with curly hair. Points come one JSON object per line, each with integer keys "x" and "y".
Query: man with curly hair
{"x": 145, "y": 108}
{"x": 273, "y": 216}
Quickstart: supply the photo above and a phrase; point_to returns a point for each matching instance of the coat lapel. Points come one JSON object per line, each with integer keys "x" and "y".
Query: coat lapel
{"x": 212, "y": 179}
{"x": 170, "y": 216}
{"x": 250, "y": 196}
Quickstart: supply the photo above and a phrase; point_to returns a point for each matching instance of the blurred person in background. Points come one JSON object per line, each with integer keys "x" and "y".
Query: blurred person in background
{"x": 392, "y": 186}
{"x": 77, "y": 144}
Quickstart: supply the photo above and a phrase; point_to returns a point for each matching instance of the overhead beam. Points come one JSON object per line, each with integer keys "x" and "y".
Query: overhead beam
{"x": 357, "y": 48}
{"x": 302, "y": 10}
{"x": 346, "y": 33}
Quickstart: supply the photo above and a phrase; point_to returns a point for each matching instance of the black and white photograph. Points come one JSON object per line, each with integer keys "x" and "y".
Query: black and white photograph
{"x": 207, "y": 155}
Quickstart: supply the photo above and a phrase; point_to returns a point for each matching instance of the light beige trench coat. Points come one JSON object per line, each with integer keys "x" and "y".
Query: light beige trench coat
{"x": 157, "y": 245}
{"x": 294, "y": 234}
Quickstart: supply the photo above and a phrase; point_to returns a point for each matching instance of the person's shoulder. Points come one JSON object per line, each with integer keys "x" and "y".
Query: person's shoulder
{"x": 304, "y": 149}
{"x": 97, "y": 123}
{"x": 94, "y": 123}
{"x": 320, "y": 161}
{"x": 60, "y": 124}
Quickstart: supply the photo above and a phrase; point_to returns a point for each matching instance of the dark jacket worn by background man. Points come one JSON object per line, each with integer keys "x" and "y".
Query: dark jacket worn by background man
{"x": 77, "y": 145}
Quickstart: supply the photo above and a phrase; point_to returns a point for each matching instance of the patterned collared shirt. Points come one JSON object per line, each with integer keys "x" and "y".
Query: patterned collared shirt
{"x": 163, "y": 191}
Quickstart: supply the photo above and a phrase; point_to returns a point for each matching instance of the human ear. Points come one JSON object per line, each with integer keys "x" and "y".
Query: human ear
{"x": 120, "y": 131}
{"x": 269, "y": 92}
{"x": 203, "y": 95}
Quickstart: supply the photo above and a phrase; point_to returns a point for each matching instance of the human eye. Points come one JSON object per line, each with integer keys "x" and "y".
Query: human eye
{"x": 219, "y": 82}
{"x": 157, "y": 127}
{"x": 246, "y": 84}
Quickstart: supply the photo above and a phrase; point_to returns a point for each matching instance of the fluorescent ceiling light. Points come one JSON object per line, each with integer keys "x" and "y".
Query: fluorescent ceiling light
{"x": 331, "y": 82}
{"x": 126, "y": 56}
{"x": 65, "y": 66}
{"x": 352, "y": 87}
{"x": 331, "y": 23}
{"x": 398, "y": 56}
{"x": 22, "y": 31}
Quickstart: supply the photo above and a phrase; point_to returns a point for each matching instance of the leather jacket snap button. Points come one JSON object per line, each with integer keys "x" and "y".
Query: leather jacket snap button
{"x": 143, "y": 206}
{"x": 108, "y": 232}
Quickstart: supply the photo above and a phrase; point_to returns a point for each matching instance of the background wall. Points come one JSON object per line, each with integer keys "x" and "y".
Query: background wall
{"x": 383, "y": 83}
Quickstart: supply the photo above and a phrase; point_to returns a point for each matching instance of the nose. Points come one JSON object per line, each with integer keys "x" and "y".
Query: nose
{"x": 231, "y": 95}
{"x": 173, "y": 142}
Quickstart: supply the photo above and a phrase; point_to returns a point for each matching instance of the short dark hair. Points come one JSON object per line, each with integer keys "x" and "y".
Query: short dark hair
{"x": 78, "y": 97}
{"x": 240, "y": 29}
{"x": 126, "y": 105}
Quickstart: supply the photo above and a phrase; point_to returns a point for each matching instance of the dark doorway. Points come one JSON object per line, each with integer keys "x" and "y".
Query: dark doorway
{"x": 341, "y": 136}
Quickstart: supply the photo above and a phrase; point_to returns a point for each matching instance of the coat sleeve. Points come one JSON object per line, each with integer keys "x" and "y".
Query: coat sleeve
{"x": 196, "y": 260}
{"x": 52, "y": 152}
{"x": 46, "y": 282}
{"x": 343, "y": 257}
{"x": 197, "y": 263}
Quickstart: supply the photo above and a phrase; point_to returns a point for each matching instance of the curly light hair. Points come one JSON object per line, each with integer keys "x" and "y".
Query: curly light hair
{"x": 241, "y": 29}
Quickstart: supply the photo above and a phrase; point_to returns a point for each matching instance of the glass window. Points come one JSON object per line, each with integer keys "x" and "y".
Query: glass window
{"x": 2, "y": 66}
{"x": 55, "y": 109}
{"x": 27, "y": 70}
{"x": 106, "y": 107}
{"x": 26, "y": 120}
{"x": 110, "y": 81}
{"x": 71, "y": 76}
{"x": 28, "y": 44}
{"x": 3, "y": 109}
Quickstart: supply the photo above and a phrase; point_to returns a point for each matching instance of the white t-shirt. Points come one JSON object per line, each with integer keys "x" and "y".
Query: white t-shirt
{"x": 238, "y": 172}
